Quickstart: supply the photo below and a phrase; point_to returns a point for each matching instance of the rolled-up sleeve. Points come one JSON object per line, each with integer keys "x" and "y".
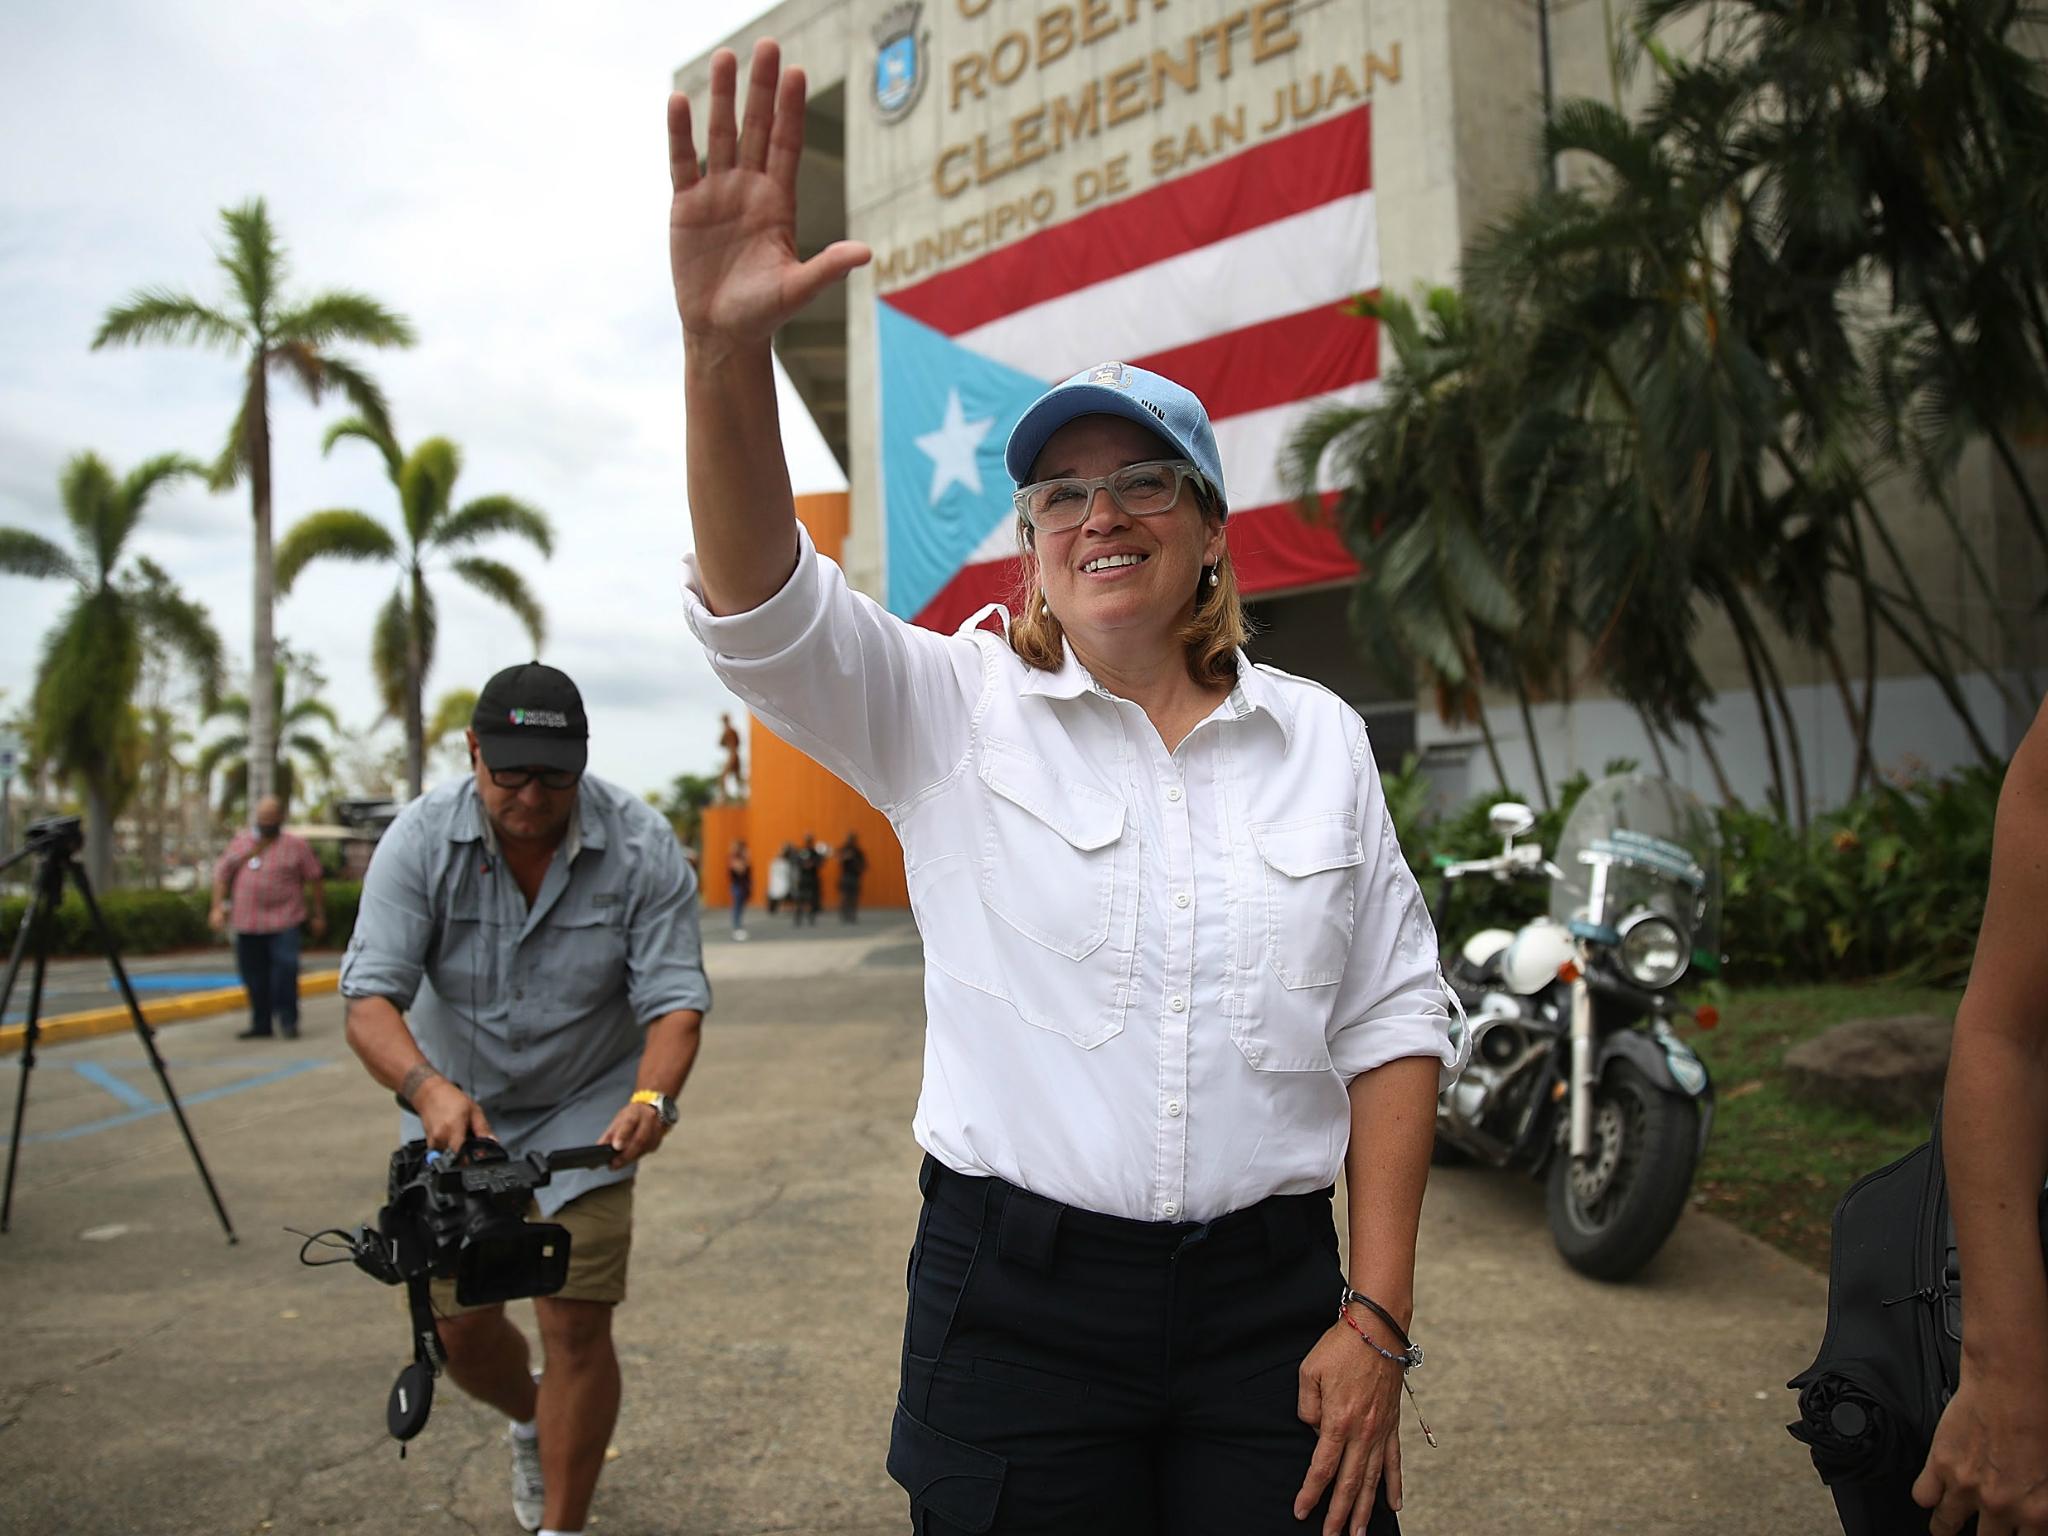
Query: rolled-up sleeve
{"x": 1392, "y": 1001}
{"x": 883, "y": 704}
{"x": 387, "y": 953}
{"x": 664, "y": 950}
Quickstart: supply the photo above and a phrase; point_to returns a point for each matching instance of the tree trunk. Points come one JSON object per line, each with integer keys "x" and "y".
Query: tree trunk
{"x": 1535, "y": 747}
{"x": 263, "y": 640}
{"x": 1714, "y": 765}
{"x": 1500, "y": 774}
{"x": 99, "y": 838}
{"x": 1746, "y": 643}
{"x": 1942, "y": 680}
{"x": 1656, "y": 743}
{"x": 415, "y": 688}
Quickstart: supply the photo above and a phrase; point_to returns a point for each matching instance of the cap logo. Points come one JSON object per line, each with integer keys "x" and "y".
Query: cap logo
{"x": 1155, "y": 410}
{"x": 553, "y": 717}
{"x": 1115, "y": 375}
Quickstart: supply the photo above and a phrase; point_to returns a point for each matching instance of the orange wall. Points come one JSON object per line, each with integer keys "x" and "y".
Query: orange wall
{"x": 789, "y": 795}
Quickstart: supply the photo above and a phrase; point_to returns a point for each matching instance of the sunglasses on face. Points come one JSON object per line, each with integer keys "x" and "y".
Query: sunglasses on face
{"x": 550, "y": 778}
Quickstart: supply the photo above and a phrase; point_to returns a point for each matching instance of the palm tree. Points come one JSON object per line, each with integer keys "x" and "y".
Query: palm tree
{"x": 452, "y": 713}
{"x": 402, "y": 643}
{"x": 1433, "y": 598}
{"x": 303, "y": 758}
{"x": 295, "y": 340}
{"x": 82, "y": 717}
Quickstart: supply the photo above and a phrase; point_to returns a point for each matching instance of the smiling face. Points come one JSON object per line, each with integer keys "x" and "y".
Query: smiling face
{"x": 1121, "y": 586}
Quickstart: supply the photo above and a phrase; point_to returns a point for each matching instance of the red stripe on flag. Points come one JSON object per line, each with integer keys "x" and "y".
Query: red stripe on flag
{"x": 1274, "y": 362}
{"x": 1272, "y": 548}
{"x": 1274, "y": 180}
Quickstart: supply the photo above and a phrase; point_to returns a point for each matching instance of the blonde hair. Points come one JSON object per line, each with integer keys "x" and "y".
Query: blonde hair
{"x": 1209, "y": 639}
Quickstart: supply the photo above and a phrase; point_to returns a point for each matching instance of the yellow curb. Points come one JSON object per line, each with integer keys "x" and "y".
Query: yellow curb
{"x": 170, "y": 1010}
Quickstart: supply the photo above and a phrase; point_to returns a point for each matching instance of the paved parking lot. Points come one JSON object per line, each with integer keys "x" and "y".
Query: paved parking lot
{"x": 155, "y": 1379}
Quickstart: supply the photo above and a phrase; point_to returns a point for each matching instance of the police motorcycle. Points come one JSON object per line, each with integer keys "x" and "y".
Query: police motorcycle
{"x": 1576, "y": 1072}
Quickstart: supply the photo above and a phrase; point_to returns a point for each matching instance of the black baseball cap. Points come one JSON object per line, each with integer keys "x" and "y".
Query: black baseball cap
{"x": 531, "y": 716}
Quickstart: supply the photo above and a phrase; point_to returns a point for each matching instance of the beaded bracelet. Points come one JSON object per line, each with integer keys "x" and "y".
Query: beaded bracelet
{"x": 1408, "y": 1358}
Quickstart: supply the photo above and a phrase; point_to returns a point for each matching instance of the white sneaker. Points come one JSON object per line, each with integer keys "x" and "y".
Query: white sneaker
{"x": 527, "y": 1498}
{"x": 741, "y": 935}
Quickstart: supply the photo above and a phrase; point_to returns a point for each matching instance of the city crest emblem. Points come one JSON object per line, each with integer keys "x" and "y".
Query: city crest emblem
{"x": 899, "y": 60}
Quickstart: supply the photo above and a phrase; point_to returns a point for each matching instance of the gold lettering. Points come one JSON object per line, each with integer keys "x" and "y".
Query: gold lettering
{"x": 1077, "y": 117}
{"x": 947, "y": 156}
{"x": 996, "y": 71}
{"x": 1220, "y": 32}
{"x": 1343, "y": 86}
{"x": 1315, "y": 103}
{"x": 966, "y": 76}
{"x": 1226, "y": 127}
{"x": 1055, "y": 34}
{"x": 973, "y": 8}
{"x": 1097, "y": 20}
{"x": 1185, "y": 70}
{"x": 1026, "y": 145}
{"x": 1279, "y": 113}
{"x": 1273, "y": 30}
{"x": 1390, "y": 67}
{"x": 1126, "y": 90}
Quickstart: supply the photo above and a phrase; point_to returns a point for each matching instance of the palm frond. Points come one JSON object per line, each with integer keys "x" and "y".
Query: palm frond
{"x": 27, "y": 554}
{"x": 159, "y": 314}
{"x": 452, "y": 712}
{"x": 314, "y": 751}
{"x": 426, "y": 486}
{"x": 360, "y": 390}
{"x": 254, "y": 260}
{"x": 179, "y": 625}
{"x": 378, "y": 438}
{"x": 387, "y": 655}
{"x": 307, "y": 709}
{"x": 505, "y": 585}
{"x": 234, "y": 457}
{"x": 89, "y": 494}
{"x": 343, "y": 315}
{"x": 339, "y": 533}
{"x": 489, "y": 515}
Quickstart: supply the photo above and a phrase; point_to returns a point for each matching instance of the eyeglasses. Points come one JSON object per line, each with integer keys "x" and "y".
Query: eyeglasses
{"x": 1139, "y": 490}
{"x": 550, "y": 778}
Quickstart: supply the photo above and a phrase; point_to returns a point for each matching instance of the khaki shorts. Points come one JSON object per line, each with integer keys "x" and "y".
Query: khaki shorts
{"x": 600, "y": 1225}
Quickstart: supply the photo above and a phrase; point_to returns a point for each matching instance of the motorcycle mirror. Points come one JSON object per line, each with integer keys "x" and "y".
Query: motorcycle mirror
{"x": 1510, "y": 819}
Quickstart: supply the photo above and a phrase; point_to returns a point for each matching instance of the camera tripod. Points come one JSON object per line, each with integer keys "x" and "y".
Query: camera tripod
{"x": 55, "y": 841}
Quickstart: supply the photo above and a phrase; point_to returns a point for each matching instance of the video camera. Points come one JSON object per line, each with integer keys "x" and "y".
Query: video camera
{"x": 461, "y": 1216}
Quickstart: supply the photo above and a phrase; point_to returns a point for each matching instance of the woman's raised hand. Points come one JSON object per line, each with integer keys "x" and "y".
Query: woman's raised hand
{"x": 732, "y": 221}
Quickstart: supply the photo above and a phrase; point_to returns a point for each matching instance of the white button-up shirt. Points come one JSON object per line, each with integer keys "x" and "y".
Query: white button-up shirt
{"x": 1149, "y": 975}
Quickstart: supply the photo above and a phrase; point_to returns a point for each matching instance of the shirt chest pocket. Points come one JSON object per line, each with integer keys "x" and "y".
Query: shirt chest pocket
{"x": 1049, "y": 854}
{"x": 580, "y": 961}
{"x": 1309, "y": 866}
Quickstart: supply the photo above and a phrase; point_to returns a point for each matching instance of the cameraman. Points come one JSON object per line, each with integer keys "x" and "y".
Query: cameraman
{"x": 526, "y": 967}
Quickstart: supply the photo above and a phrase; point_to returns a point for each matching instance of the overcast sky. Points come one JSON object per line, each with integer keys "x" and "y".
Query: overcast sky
{"x": 494, "y": 171}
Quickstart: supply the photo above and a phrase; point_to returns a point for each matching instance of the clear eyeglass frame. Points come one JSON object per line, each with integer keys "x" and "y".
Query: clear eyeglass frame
{"x": 550, "y": 778}
{"x": 1127, "y": 487}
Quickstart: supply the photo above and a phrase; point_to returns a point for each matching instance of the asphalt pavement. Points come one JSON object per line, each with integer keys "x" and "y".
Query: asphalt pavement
{"x": 155, "y": 1379}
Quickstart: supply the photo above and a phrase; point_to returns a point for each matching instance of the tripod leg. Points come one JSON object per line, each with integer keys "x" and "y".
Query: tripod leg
{"x": 148, "y": 1038}
{"x": 31, "y": 919}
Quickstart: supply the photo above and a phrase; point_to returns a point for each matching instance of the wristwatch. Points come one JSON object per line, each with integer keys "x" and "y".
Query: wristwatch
{"x": 660, "y": 1103}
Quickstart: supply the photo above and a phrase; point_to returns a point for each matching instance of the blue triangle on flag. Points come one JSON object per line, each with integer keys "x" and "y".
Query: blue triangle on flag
{"x": 947, "y": 411}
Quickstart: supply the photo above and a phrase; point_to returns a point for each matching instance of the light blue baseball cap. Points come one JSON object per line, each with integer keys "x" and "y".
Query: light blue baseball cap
{"x": 1117, "y": 389}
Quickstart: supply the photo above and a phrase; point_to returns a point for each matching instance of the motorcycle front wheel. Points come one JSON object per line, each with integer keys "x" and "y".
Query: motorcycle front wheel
{"x": 1611, "y": 1214}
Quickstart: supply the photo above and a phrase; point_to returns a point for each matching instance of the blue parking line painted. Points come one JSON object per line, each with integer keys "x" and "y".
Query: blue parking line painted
{"x": 112, "y": 1122}
{"x": 106, "y": 1078}
{"x": 177, "y": 981}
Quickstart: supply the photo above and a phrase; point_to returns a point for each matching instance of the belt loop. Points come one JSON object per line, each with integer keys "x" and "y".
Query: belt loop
{"x": 1029, "y": 1229}
{"x": 1286, "y": 1218}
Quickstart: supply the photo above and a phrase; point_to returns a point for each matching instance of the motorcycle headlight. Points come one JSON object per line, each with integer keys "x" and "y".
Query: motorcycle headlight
{"x": 1653, "y": 952}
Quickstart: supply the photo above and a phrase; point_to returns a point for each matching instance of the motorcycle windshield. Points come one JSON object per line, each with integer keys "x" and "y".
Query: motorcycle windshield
{"x": 1639, "y": 843}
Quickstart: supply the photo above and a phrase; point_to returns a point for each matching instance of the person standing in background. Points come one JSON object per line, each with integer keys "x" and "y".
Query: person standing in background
{"x": 739, "y": 870}
{"x": 853, "y": 863}
{"x": 265, "y": 885}
{"x": 781, "y": 878}
{"x": 810, "y": 880}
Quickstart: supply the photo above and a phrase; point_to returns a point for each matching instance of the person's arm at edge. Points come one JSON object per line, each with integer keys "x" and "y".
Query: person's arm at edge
{"x": 1991, "y": 1448}
{"x": 376, "y": 1031}
{"x": 316, "y": 895}
{"x": 223, "y": 877}
{"x": 737, "y": 278}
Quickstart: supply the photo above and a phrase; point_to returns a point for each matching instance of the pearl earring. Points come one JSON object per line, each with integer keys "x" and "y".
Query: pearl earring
{"x": 1212, "y": 575}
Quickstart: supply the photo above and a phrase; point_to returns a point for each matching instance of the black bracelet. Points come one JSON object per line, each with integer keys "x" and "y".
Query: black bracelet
{"x": 1411, "y": 1352}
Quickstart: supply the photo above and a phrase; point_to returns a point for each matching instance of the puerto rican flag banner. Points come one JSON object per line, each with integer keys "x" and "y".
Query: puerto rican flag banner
{"x": 1231, "y": 280}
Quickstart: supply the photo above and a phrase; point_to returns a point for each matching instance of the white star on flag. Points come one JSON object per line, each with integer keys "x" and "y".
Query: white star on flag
{"x": 952, "y": 449}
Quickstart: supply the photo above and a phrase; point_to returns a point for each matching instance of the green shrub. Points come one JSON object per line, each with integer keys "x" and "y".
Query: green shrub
{"x": 157, "y": 922}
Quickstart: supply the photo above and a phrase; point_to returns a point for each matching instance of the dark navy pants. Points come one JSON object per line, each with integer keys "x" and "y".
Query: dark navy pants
{"x": 269, "y": 963}
{"x": 1072, "y": 1374}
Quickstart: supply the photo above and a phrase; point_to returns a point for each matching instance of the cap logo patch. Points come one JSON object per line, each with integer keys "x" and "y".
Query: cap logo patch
{"x": 553, "y": 717}
{"x": 1155, "y": 410}
{"x": 1116, "y": 375}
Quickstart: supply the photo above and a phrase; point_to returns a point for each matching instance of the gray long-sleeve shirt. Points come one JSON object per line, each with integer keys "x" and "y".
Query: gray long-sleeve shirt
{"x": 538, "y": 1013}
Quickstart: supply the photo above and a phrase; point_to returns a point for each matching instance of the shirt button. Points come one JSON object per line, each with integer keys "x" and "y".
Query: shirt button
{"x": 1180, "y": 898}
{"x": 1169, "y": 1210}
{"x": 1179, "y": 1005}
{"x": 1173, "y": 793}
{"x": 1173, "y": 1109}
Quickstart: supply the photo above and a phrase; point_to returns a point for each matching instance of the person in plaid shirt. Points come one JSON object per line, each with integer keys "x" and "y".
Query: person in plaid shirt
{"x": 272, "y": 880}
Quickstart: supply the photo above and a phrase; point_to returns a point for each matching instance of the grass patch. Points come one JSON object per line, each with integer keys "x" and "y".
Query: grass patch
{"x": 1776, "y": 1166}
